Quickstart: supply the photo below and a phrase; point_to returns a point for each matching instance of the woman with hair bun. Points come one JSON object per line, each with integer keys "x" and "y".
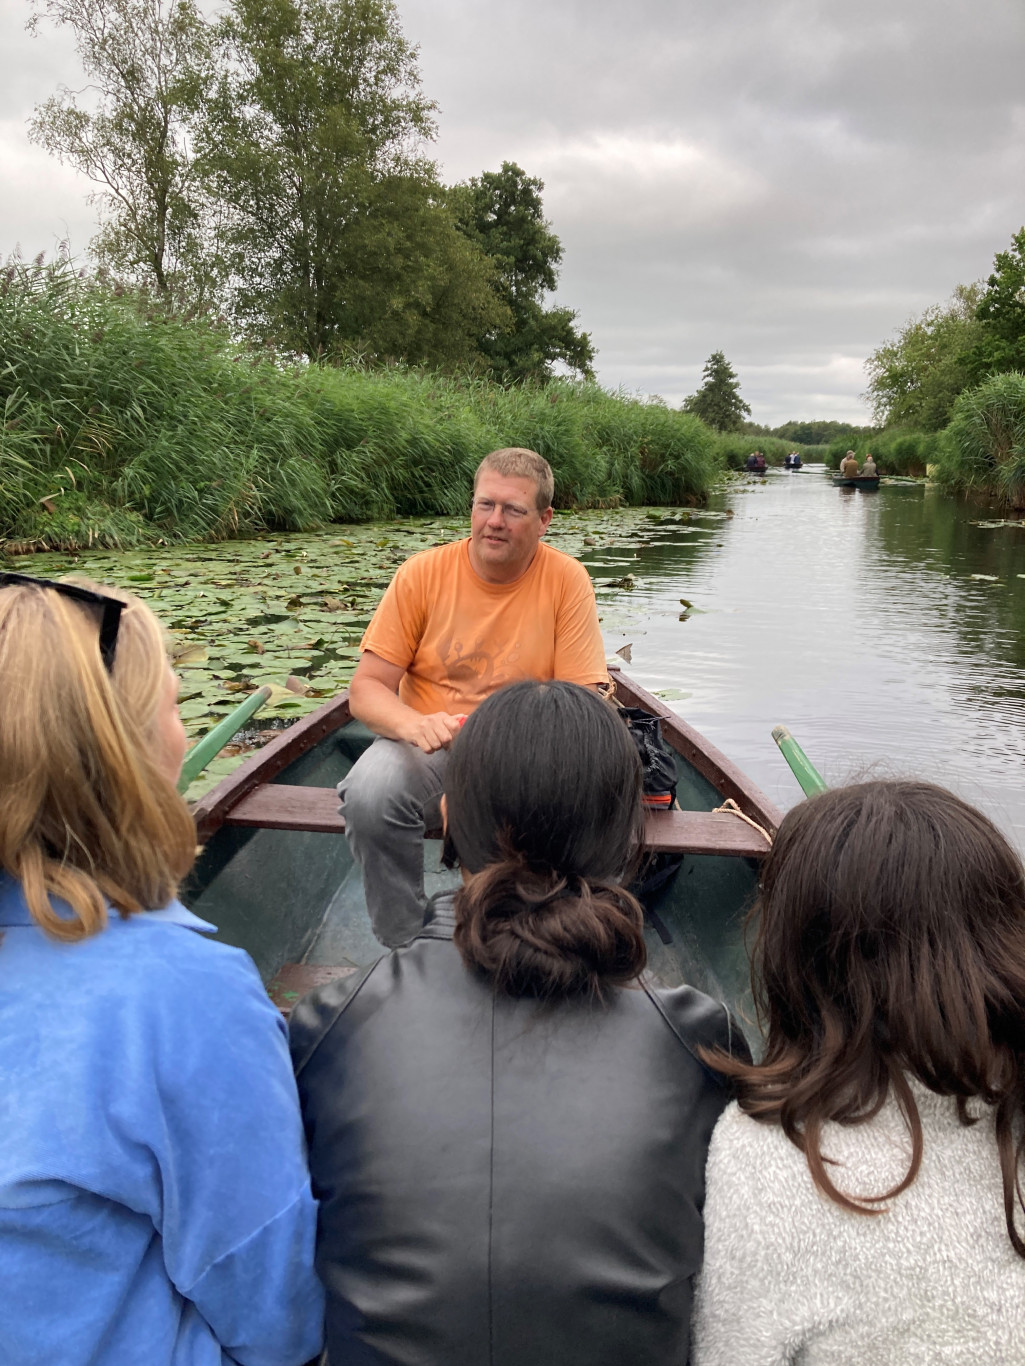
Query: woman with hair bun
{"x": 154, "y": 1201}
{"x": 507, "y": 1128}
{"x": 865, "y": 1193}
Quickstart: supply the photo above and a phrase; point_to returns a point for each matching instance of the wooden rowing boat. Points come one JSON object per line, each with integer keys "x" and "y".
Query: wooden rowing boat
{"x": 276, "y": 876}
{"x": 858, "y": 481}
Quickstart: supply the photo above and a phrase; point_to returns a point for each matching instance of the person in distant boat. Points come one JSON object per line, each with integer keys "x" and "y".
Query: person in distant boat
{"x": 507, "y": 1126}
{"x": 869, "y": 470}
{"x": 457, "y": 623}
{"x": 155, "y": 1205}
{"x": 865, "y": 1193}
{"x": 849, "y": 466}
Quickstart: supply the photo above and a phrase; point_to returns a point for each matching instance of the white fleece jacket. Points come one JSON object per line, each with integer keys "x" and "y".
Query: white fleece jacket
{"x": 789, "y": 1276}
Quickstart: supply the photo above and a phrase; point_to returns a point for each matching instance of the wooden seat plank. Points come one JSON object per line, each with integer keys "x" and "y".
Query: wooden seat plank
{"x": 280, "y": 806}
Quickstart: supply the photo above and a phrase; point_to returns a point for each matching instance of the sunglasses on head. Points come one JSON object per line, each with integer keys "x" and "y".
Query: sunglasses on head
{"x": 109, "y": 608}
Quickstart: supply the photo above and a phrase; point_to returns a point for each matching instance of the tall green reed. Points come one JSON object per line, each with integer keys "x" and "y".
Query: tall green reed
{"x": 123, "y": 425}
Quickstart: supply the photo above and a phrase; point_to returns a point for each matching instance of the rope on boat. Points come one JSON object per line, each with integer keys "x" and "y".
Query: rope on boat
{"x": 730, "y": 808}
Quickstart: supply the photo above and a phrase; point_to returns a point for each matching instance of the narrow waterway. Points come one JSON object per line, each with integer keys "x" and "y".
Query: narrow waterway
{"x": 886, "y": 629}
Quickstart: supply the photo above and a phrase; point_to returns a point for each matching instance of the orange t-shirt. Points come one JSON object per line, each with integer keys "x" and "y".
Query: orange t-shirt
{"x": 459, "y": 638}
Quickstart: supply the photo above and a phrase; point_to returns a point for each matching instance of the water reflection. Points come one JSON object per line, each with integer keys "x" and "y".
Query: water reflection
{"x": 853, "y": 617}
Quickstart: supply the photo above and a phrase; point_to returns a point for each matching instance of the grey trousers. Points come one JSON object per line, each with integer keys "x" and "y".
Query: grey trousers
{"x": 389, "y": 797}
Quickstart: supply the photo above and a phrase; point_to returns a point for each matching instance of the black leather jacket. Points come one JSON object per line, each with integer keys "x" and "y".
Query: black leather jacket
{"x": 502, "y": 1184}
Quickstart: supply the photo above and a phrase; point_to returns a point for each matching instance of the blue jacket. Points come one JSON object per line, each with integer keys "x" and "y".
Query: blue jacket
{"x": 154, "y": 1201}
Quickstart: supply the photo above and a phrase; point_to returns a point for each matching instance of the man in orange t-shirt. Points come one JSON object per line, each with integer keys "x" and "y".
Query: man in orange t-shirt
{"x": 457, "y": 623}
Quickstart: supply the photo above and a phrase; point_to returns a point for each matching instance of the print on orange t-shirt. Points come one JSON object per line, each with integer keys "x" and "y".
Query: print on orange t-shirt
{"x": 459, "y": 638}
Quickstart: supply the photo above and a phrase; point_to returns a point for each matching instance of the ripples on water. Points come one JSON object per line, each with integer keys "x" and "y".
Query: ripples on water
{"x": 851, "y": 617}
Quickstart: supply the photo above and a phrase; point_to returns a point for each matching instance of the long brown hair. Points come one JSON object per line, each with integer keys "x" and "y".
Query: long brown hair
{"x": 890, "y": 943}
{"x": 543, "y": 793}
{"x": 87, "y": 812}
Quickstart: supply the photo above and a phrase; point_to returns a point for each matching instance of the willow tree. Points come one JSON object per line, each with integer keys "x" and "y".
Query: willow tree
{"x": 132, "y": 131}
{"x": 337, "y": 234}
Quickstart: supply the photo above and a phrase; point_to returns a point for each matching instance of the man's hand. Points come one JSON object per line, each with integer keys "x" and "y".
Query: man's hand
{"x": 434, "y": 732}
{"x": 373, "y": 701}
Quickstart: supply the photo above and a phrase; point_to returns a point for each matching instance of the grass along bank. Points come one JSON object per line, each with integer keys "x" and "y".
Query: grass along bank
{"x": 123, "y": 426}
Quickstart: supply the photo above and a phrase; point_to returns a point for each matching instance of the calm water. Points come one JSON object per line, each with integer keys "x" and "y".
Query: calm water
{"x": 851, "y": 617}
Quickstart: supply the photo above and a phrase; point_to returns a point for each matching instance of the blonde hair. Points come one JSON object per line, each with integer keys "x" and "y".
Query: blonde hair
{"x": 516, "y": 462}
{"x": 87, "y": 812}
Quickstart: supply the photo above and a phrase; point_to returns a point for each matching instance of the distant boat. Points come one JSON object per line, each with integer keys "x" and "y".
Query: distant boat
{"x": 856, "y": 481}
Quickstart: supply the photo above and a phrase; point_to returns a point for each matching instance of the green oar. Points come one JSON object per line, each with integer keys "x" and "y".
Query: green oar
{"x": 214, "y": 740}
{"x": 803, "y": 769}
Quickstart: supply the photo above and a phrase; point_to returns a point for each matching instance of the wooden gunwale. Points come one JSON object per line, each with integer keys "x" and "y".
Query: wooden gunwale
{"x": 249, "y": 798}
{"x": 211, "y": 811}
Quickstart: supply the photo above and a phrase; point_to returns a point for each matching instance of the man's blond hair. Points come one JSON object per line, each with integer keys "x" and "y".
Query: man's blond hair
{"x": 88, "y": 813}
{"x": 516, "y": 462}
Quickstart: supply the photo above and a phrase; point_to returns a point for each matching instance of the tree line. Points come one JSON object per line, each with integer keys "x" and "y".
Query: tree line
{"x": 272, "y": 166}
{"x": 949, "y": 388}
{"x": 916, "y": 378}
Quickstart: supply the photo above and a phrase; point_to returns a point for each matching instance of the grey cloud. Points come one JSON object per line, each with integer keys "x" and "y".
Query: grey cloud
{"x": 788, "y": 180}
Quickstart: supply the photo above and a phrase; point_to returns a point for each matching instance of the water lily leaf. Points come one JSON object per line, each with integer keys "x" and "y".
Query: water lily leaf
{"x": 188, "y": 656}
{"x": 626, "y": 652}
{"x": 985, "y": 578}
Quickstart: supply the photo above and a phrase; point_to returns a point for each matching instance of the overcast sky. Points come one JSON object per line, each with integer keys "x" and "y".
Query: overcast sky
{"x": 784, "y": 180}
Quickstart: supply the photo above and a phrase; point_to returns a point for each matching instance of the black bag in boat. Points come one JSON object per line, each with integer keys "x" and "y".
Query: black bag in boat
{"x": 657, "y": 761}
{"x": 659, "y": 781}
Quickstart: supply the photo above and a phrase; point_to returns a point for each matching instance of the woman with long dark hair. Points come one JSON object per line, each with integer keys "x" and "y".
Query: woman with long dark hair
{"x": 865, "y": 1194}
{"x": 507, "y": 1128}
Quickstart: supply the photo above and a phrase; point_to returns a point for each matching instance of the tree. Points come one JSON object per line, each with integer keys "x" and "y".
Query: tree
{"x": 149, "y": 63}
{"x": 815, "y": 432}
{"x": 337, "y": 231}
{"x": 718, "y": 401}
{"x": 915, "y": 379}
{"x": 501, "y": 213}
{"x": 1000, "y": 345}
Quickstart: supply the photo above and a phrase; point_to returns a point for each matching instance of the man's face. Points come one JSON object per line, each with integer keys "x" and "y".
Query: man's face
{"x": 505, "y": 526}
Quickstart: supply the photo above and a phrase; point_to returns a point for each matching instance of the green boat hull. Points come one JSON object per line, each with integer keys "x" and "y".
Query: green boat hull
{"x": 291, "y": 896}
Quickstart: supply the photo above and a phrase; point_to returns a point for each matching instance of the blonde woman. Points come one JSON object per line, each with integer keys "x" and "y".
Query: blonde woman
{"x": 154, "y": 1203}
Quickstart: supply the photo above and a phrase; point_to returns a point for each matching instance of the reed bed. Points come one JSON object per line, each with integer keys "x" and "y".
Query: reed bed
{"x": 983, "y": 448}
{"x": 896, "y": 450}
{"x": 124, "y": 426}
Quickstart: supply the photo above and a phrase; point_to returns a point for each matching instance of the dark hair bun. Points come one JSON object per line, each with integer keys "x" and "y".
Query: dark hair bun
{"x": 539, "y": 934}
